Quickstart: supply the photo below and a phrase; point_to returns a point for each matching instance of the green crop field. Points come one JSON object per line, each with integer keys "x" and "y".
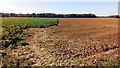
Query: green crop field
{"x": 30, "y": 22}
{"x": 12, "y": 33}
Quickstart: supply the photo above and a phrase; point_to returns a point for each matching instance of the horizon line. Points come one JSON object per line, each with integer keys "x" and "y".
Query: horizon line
{"x": 60, "y": 13}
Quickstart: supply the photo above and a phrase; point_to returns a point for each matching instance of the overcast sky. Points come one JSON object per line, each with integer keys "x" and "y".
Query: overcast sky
{"x": 98, "y": 7}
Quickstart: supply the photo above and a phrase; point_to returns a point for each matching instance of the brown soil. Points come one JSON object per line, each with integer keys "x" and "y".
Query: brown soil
{"x": 71, "y": 42}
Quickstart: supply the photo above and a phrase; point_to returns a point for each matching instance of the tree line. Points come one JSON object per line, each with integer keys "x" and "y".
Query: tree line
{"x": 53, "y": 15}
{"x": 49, "y": 15}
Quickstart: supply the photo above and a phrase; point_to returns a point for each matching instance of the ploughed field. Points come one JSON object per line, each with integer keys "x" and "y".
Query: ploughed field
{"x": 74, "y": 41}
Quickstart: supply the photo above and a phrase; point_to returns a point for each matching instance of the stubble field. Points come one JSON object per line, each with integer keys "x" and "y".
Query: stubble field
{"x": 75, "y": 41}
